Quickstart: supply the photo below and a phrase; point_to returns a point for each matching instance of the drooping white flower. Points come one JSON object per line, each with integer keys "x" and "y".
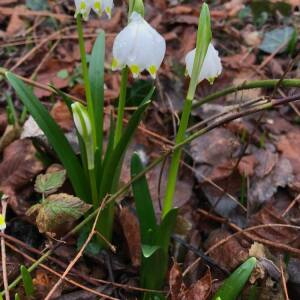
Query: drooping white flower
{"x": 211, "y": 67}
{"x": 100, "y": 6}
{"x": 139, "y": 46}
{"x": 83, "y": 7}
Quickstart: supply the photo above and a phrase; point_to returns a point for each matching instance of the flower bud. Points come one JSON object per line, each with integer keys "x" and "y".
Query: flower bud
{"x": 81, "y": 119}
{"x": 138, "y": 46}
{"x": 84, "y": 128}
{"x": 211, "y": 67}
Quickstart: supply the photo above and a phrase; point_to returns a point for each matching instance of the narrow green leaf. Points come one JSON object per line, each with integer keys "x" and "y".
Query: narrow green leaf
{"x": 234, "y": 284}
{"x": 96, "y": 76}
{"x": 17, "y": 297}
{"x": 27, "y": 280}
{"x": 54, "y": 134}
{"x": 143, "y": 200}
{"x": 115, "y": 157}
{"x": 166, "y": 228}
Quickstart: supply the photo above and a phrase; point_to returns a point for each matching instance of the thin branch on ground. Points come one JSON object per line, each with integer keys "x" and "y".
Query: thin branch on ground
{"x": 79, "y": 254}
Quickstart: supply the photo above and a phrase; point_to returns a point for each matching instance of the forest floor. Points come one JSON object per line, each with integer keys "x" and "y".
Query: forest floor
{"x": 239, "y": 184}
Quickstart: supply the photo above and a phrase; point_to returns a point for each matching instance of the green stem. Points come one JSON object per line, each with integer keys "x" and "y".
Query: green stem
{"x": 86, "y": 80}
{"x": 93, "y": 183}
{"x": 247, "y": 85}
{"x": 121, "y": 105}
{"x": 173, "y": 171}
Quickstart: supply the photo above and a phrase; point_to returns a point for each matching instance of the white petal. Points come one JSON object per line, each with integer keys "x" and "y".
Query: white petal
{"x": 97, "y": 6}
{"x": 212, "y": 66}
{"x": 124, "y": 43}
{"x": 139, "y": 46}
{"x": 108, "y": 6}
{"x": 83, "y": 7}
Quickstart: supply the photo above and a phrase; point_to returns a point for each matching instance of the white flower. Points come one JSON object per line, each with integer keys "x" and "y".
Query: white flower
{"x": 100, "y": 6}
{"x": 211, "y": 67}
{"x": 2, "y": 223}
{"x": 81, "y": 120}
{"x": 139, "y": 46}
{"x": 83, "y": 7}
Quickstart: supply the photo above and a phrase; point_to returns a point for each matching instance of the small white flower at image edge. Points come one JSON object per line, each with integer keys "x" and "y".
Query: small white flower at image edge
{"x": 211, "y": 68}
{"x": 83, "y": 7}
{"x": 138, "y": 46}
{"x": 2, "y": 223}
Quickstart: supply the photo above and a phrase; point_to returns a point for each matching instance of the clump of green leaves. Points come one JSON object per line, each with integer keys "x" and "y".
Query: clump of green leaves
{"x": 56, "y": 209}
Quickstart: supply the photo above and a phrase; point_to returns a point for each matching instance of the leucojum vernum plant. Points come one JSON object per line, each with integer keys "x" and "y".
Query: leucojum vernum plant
{"x": 95, "y": 172}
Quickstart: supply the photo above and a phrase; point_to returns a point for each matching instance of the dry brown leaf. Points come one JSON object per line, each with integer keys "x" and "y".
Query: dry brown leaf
{"x": 131, "y": 230}
{"x": 62, "y": 116}
{"x": 289, "y": 146}
{"x": 16, "y": 24}
{"x": 238, "y": 253}
{"x": 268, "y": 215}
{"x": 200, "y": 290}
{"x": 49, "y": 75}
{"x": 17, "y": 169}
{"x": 177, "y": 287}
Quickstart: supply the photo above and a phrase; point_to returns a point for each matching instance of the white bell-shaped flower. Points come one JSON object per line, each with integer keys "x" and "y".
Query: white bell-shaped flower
{"x": 211, "y": 67}
{"x": 139, "y": 46}
{"x": 83, "y": 7}
{"x": 100, "y": 6}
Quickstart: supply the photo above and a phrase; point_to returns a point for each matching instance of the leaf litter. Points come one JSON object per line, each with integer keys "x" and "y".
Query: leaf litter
{"x": 268, "y": 170}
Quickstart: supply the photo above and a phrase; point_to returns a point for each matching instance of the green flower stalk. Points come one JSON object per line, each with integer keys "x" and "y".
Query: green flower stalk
{"x": 202, "y": 63}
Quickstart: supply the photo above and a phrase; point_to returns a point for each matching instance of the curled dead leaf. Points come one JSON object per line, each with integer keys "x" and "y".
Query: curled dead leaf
{"x": 58, "y": 210}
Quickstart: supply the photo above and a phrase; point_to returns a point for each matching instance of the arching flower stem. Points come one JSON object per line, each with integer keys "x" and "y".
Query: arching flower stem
{"x": 121, "y": 105}
{"x": 90, "y": 106}
{"x": 203, "y": 40}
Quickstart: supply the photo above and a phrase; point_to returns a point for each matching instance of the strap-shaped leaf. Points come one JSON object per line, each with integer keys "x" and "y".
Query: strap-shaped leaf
{"x": 54, "y": 134}
{"x": 234, "y": 284}
{"x": 166, "y": 228}
{"x": 116, "y": 156}
{"x": 143, "y": 200}
{"x": 96, "y": 76}
{"x": 27, "y": 281}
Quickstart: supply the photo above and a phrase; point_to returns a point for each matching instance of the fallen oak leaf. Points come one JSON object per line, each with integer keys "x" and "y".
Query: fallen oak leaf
{"x": 57, "y": 210}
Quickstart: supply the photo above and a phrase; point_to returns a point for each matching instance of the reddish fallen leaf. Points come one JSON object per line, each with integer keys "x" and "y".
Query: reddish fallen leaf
{"x": 62, "y": 116}
{"x": 200, "y": 290}
{"x": 247, "y": 165}
{"x": 238, "y": 252}
{"x": 289, "y": 146}
{"x": 16, "y": 24}
{"x": 176, "y": 285}
{"x": 131, "y": 230}
{"x": 49, "y": 75}
{"x": 18, "y": 168}
{"x": 268, "y": 215}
